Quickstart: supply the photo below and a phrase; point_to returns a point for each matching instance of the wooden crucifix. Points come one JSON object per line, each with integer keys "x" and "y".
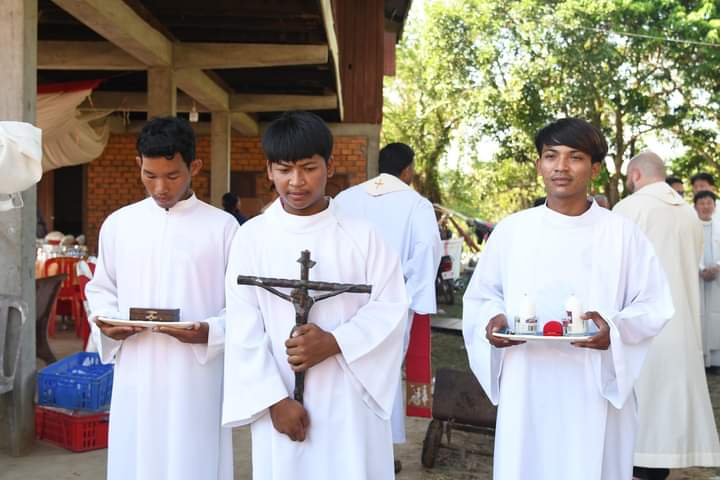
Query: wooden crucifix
{"x": 301, "y": 299}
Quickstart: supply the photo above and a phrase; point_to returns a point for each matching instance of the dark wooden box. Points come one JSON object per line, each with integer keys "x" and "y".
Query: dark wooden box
{"x": 155, "y": 314}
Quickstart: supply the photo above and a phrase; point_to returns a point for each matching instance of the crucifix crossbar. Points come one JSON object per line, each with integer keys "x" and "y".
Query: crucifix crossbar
{"x": 301, "y": 299}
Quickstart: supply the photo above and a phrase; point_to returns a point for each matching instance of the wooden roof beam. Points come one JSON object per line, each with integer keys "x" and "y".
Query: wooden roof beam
{"x": 280, "y": 103}
{"x": 247, "y": 55}
{"x": 331, "y": 33}
{"x": 245, "y": 124}
{"x": 58, "y": 55}
{"x": 203, "y": 89}
{"x": 245, "y": 103}
{"x": 121, "y": 25}
{"x": 63, "y": 55}
{"x": 118, "y": 23}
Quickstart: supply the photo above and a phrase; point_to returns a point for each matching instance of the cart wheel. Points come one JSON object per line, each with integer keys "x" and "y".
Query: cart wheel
{"x": 431, "y": 444}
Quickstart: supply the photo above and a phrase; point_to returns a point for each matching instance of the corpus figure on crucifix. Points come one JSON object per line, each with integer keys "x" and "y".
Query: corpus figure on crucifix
{"x": 301, "y": 299}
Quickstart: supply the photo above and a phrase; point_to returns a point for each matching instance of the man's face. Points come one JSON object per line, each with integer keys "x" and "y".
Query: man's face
{"x": 679, "y": 188}
{"x": 566, "y": 171}
{"x": 167, "y": 181}
{"x": 301, "y": 184}
{"x": 705, "y": 208}
{"x": 701, "y": 186}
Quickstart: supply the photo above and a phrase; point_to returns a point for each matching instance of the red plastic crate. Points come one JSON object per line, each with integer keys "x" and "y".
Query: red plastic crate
{"x": 76, "y": 432}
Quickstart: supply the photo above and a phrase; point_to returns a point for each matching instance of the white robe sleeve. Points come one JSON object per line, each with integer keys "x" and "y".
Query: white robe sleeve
{"x": 647, "y": 307}
{"x": 101, "y": 292}
{"x": 483, "y": 300}
{"x": 216, "y": 332}
{"x": 252, "y": 382}
{"x": 371, "y": 342}
{"x": 424, "y": 258}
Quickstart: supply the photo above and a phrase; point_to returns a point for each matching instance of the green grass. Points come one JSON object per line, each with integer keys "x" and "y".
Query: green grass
{"x": 448, "y": 348}
{"x": 448, "y": 351}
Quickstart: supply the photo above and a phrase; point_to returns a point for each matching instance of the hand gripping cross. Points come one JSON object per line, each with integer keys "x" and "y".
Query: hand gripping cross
{"x": 301, "y": 299}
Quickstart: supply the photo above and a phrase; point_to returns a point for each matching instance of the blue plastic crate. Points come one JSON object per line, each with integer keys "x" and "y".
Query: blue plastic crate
{"x": 77, "y": 382}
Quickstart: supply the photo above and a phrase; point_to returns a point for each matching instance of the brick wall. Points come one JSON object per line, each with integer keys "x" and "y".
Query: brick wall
{"x": 113, "y": 180}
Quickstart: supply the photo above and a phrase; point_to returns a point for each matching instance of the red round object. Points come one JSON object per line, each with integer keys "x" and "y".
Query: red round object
{"x": 553, "y": 329}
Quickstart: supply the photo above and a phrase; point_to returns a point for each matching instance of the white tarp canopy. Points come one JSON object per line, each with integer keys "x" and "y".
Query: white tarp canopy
{"x": 69, "y": 136}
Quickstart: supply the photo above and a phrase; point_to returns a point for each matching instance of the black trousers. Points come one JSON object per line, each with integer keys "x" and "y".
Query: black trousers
{"x": 651, "y": 473}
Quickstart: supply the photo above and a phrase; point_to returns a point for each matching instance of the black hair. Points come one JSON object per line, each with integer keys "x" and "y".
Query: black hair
{"x": 704, "y": 194}
{"x": 166, "y": 136}
{"x": 297, "y": 135}
{"x": 671, "y": 180}
{"x": 229, "y": 202}
{"x": 702, "y": 176}
{"x": 575, "y": 133}
{"x": 394, "y": 158}
{"x": 539, "y": 201}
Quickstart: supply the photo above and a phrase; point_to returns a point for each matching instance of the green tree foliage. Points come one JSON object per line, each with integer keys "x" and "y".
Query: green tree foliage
{"x": 434, "y": 90}
{"x": 503, "y": 69}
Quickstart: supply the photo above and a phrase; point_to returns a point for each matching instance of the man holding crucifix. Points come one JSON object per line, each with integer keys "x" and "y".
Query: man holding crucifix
{"x": 350, "y": 348}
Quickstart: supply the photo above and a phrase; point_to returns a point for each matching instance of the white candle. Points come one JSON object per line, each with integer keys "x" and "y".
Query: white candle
{"x": 527, "y": 308}
{"x": 526, "y": 315}
{"x": 574, "y": 311}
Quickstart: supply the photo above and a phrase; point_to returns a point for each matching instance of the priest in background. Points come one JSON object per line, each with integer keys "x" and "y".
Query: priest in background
{"x": 167, "y": 251}
{"x": 677, "y": 425}
{"x": 566, "y": 411}
{"x": 406, "y": 221}
{"x": 705, "y": 202}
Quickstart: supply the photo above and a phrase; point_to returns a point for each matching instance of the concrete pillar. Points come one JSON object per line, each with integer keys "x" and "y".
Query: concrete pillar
{"x": 220, "y": 153}
{"x": 371, "y": 131}
{"x": 18, "y": 62}
{"x": 162, "y": 93}
{"x": 373, "y": 150}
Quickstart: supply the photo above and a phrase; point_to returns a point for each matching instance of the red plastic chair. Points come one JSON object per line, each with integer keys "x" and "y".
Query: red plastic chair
{"x": 69, "y": 299}
{"x": 83, "y": 327}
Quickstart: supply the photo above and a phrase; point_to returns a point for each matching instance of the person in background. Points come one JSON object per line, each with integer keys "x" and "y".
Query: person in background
{"x": 539, "y": 201}
{"x": 231, "y": 204}
{"x": 705, "y": 202}
{"x": 601, "y": 200}
{"x": 406, "y": 221}
{"x": 41, "y": 227}
{"x": 668, "y": 390}
{"x": 702, "y": 181}
{"x": 676, "y": 184}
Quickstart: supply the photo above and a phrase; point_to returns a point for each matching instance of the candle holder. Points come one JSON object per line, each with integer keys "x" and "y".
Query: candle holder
{"x": 525, "y": 326}
{"x": 573, "y": 325}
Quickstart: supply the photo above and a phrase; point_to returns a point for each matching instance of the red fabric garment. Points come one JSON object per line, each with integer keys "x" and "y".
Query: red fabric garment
{"x": 418, "y": 371}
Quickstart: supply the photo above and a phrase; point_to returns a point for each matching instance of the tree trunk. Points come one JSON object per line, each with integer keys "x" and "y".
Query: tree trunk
{"x": 616, "y": 178}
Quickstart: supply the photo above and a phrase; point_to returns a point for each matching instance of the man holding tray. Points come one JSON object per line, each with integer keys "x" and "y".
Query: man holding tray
{"x": 566, "y": 408}
{"x": 165, "y": 253}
